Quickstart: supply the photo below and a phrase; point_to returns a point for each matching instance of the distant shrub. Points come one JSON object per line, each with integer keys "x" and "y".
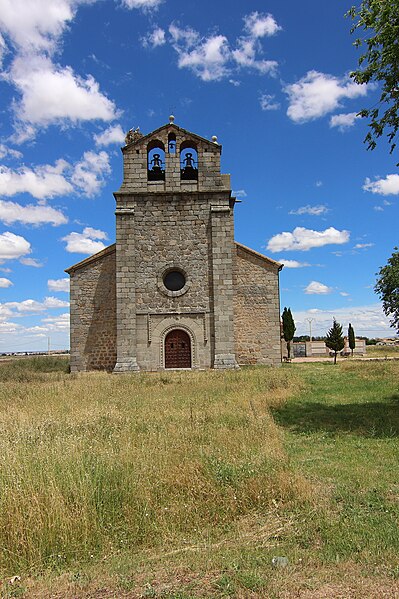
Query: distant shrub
{"x": 33, "y": 368}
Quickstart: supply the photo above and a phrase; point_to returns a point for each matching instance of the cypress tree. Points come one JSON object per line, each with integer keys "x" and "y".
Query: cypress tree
{"x": 351, "y": 338}
{"x": 289, "y": 328}
{"x": 334, "y": 339}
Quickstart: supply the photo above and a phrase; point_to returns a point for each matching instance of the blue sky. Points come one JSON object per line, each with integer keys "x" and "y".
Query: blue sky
{"x": 270, "y": 79}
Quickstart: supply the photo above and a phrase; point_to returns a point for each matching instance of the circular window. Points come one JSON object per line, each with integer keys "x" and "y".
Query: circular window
{"x": 174, "y": 280}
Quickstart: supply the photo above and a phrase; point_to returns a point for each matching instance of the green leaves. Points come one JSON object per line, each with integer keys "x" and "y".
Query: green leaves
{"x": 379, "y": 23}
{"x": 335, "y": 339}
{"x": 289, "y": 328}
{"x": 387, "y": 287}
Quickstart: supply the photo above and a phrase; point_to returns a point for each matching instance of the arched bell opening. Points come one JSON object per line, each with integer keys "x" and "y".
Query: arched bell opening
{"x": 188, "y": 162}
{"x": 156, "y": 161}
{"x": 172, "y": 143}
{"x": 177, "y": 349}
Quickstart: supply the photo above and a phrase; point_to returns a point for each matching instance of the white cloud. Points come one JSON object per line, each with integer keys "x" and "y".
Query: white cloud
{"x": 57, "y": 323}
{"x": 49, "y": 93}
{"x": 239, "y": 193}
{"x": 367, "y": 320}
{"x": 5, "y": 152}
{"x": 154, "y": 39}
{"x": 88, "y": 174}
{"x": 11, "y": 212}
{"x": 95, "y": 233}
{"x": 54, "y": 302}
{"x": 312, "y": 210}
{"x": 42, "y": 182}
{"x": 292, "y": 263}
{"x": 16, "y": 337}
{"x": 267, "y": 102}
{"x": 35, "y": 25}
{"x": 4, "y": 312}
{"x": 360, "y": 246}
{"x": 5, "y": 283}
{"x": 86, "y": 242}
{"x": 344, "y": 294}
{"x": 2, "y": 49}
{"x": 316, "y": 288}
{"x": 212, "y": 59}
{"x": 316, "y": 94}
{"x": 256, "y": 26}
{"x": 58, "y": 285}
{"x": 259, "y": 25}
{"x": 245, "y": 56}
{"x": 142, "y": 4}
{"x": 113, "y": 135}
{"x": 344, "y": 121}
{"x": 7, "y": 328}
{"x": 46, "y": 181}
{"x": 31, "y": 262}
{"x": 13, "y": 246}
{"x": 54, "y": 94}
{"x": 304, "y": 239}
{"x": 206, "y": 57}
{"x": 385, "y": 187}
{"x": 30, "y": 305}
{"x": 184, "y": 35}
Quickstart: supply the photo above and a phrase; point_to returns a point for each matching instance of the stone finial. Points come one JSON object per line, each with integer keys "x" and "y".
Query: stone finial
{"x": 171, "y": 119}
{"x": 214, "y": 139}
{"x": 133, "y": 135}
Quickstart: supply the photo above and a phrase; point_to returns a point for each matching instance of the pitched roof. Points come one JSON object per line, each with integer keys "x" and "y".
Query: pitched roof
{"x": 176, "y": 128}
{"x": 112, "y": 248}
{"x": 105, "y": 252}
{"x": 269, "y": 261}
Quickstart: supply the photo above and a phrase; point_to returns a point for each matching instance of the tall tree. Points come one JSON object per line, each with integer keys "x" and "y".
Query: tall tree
{"x": 377, "y": 21}
{"x": 387, "y": 287}
{"x": 289, "y": 328}
{"x": 351, "y": 338}
{"x": 334, "y": 339}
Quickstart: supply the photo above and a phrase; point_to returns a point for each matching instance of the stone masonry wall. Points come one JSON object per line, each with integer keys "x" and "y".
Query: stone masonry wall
{"x": 256, "y": 309}
{"x": 172, "y": 231}
{"x": 135, "y": 163}
{"x": 93, "y": 314}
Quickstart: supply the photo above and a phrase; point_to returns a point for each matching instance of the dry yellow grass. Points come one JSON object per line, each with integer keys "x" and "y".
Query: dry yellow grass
{"x": 185, "y": 485}
{"x": 92, "y": 464}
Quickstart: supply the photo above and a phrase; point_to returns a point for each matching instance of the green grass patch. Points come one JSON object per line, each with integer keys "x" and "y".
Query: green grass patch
{"x": 188, "y": 484}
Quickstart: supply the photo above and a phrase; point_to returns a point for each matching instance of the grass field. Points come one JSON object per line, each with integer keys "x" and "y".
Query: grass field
{"x": 187, "y": 485}
{"x": 380, "y": 351}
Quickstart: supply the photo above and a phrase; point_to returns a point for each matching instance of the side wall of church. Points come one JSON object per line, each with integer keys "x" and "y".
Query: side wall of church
{"x": 93, "y": 315}
{"x": 256, "y": 310}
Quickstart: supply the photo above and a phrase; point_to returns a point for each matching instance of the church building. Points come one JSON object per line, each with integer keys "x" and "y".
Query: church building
{"x": 175, "y": 290}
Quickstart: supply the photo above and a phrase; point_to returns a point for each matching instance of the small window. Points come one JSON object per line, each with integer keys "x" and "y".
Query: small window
{"x": 188, "y": 163}
{"x": 174, "y": 280}
{"x": 172, "y": 143}
{"x": 156, "y": 161}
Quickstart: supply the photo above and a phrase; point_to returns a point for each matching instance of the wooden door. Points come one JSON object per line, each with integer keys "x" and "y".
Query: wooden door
{"x": 177, "y": 349}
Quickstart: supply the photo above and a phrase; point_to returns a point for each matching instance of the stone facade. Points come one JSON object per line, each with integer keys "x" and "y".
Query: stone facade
{"x": 181, "y": 222}
{"x": 93, "y": 312}
{"x": 256, "y": 308}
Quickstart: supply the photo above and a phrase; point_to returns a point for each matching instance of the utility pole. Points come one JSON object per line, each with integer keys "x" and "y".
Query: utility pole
{"x": 310, "y": 320}
{"x": 48, "y": 346}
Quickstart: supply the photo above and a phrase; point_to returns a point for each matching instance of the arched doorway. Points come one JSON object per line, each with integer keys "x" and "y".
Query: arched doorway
{"x": 177, "y": 349}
